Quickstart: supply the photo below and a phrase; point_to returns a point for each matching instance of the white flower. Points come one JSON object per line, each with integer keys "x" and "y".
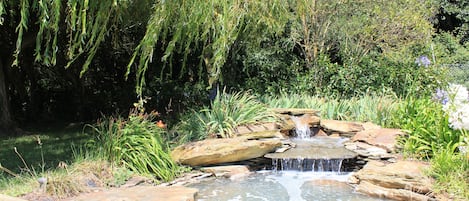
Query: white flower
{"x": 458, "y": 107}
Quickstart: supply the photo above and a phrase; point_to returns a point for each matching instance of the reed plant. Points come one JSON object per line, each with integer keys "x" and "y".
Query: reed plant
{"x": 450, "y": 168}
{"x": 136, "y": 143}
{"x": 374, "y": 108}
{"x": 226, "y": 112}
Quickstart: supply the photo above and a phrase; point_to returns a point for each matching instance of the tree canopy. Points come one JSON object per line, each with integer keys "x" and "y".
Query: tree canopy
{"x": 184, "y": 43}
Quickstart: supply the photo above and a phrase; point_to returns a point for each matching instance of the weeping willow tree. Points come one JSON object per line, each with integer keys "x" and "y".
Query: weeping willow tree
{"x": 211, "y": 25}
{"x": 49, "y": 34}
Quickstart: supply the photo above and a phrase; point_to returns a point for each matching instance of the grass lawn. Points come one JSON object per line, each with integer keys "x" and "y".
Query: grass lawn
{"x": 58, "y": 143}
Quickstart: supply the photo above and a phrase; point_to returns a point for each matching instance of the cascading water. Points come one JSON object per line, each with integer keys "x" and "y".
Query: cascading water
{"x": 312, "y": 170}
{"x": 302, "y": 130}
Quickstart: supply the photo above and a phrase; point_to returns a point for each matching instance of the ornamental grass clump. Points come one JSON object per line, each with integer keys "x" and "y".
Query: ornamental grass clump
{"x": 229, "y": 111}
{"x": 136, "y": 143}
{"x": 226, "y": 112}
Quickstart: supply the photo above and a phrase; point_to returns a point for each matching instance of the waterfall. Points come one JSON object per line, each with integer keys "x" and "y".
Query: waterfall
{"x": 314, "y": 165}
{"x": 302, "y": 129}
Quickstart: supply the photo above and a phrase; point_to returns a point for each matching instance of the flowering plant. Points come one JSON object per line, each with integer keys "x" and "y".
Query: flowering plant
{"x": 456, "y": 103}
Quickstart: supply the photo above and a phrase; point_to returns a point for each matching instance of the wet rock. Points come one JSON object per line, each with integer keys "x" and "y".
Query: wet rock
{"x": 296, "y": 111}
{"x": 368, "y": 151}
{"x": 402, "y": 180}
{"x": 342, "y": 127}
{"x": 216, "y": 151}
{"x": 305, "y": 119}
{"x": 317, "y": 148}
{"x": 141, "y": 193}
{"x": 384, "y": 138}
{"x": 230, "y": 171}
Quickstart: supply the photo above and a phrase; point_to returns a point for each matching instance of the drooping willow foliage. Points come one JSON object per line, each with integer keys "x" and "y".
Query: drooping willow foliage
{"x": 85, "y": 22}
{"x": 211, "y": 25}
{"x": 208, "y": 29}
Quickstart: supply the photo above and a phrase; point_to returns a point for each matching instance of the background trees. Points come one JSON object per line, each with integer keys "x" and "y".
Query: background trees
{"x": 71, "y": 60}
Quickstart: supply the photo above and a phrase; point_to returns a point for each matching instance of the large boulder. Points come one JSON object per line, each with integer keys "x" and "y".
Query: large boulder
{"x": 216, "y": 151}
{"x": 403, "y": 180}
{"x": 384, "y": 138}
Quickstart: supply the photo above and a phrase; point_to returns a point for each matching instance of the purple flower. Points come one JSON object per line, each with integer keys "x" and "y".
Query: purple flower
{"x": 423, "y": 61}
{"x": 442, "y": 96}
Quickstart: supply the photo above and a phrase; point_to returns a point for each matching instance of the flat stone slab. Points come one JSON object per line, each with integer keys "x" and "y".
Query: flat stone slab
{"x": 402, "y": 180}
{"x": 316, "y": 148}
{"x": 9, "y": 198}
{"x": 141, "y": 193}
{"x": 217, "y": 151}
{"x": 240, "y": 130}
{"x": 296, "y": 111}
{"x": 385, "y": 138}
{"x": 228, "y": 171}
{"x": 343, "y": 127}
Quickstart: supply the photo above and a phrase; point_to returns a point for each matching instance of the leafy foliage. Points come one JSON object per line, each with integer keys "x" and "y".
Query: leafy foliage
{"x": 450, "y": 168}
{"x": 227, "y": 111}
{"x": 427, "y": 127}
{"x": 135, "y": 143}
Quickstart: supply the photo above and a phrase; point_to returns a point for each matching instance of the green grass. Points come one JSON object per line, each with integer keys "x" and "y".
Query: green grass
{"x": 57, "y": 145}
{"x": 37, "y": 154}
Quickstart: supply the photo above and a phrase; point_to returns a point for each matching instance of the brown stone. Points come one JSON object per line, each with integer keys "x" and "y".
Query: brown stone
{"x": 296, "y": 111}
{"x": 229, "y": 171}
{"x": 9, "y": 198}
{"x": 306, "y": 119}
{"x": 383, "y": 137}
{"x": 343, "y": 127}
{"x": 216, "y": 151}
{"x": 240, "y": 130}
{"x": 370, "y": 126}
{"x": 321, "y": 133}
{"x": 404, "y": 178}
{"x": 141, "y": 193}
{"x": 393, "y": 194}
{"x": 262, "y": 134}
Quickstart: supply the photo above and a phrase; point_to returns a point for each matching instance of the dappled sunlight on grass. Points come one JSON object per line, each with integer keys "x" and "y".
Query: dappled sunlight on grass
{"x": 54, "y": 146}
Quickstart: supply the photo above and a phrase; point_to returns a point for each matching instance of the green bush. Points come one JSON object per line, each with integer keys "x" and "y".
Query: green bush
{"x": 135, "y": 143}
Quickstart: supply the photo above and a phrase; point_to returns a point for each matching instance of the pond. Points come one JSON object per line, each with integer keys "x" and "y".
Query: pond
{"x": 280, "y": 186}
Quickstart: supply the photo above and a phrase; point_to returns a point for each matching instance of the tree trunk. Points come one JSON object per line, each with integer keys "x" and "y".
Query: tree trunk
{"x": 6, "y": 124}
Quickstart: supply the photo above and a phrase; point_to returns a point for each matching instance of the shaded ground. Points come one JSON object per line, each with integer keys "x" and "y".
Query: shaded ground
{"x": 41, "y": 148}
